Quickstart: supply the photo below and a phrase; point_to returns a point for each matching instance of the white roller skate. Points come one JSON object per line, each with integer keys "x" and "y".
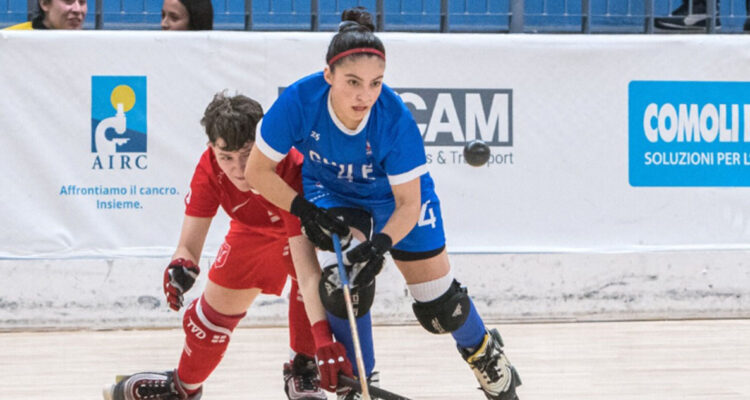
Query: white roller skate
{"x": 301, "y": 379}
{"x": 149, "y": 386}
{"x": 497, "y": 378}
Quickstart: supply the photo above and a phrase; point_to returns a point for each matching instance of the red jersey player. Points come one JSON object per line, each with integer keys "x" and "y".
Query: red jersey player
{"x": 256, "y": 257}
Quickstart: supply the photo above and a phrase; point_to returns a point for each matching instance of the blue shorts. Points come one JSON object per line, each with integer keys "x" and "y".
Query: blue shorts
{"x": 427, "y": 235}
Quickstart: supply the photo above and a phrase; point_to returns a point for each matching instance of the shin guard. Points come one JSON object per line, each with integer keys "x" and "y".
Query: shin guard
{"x": 207, "y": 334}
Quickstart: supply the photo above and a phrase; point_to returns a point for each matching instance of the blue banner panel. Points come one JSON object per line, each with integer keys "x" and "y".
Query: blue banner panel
{"x": 689, "y": 133}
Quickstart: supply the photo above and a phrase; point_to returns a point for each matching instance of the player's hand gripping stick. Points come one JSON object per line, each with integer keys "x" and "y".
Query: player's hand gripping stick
{"x": 318, "y": 225}
{"x": 331, "y": 356}
{"x": 367, "y": 259}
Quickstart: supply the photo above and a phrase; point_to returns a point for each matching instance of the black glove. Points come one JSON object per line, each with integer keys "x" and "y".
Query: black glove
{"x": 179, "y": 277}
{"x": 367, "y": 259}
{"x": 318, "y": 224}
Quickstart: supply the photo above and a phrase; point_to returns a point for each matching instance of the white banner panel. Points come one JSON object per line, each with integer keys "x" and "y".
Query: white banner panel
{"x": 580, "y": 129}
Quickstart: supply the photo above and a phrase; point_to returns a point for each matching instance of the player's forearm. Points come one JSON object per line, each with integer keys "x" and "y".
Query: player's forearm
{"x": 308, "y": 276}
{"x": 192, "y": 238}
{"x": 407, "y": 197}
{"x": 276, "y": 190}
{"x": 401, "y": 222}
{"x": 313, "y": 306}
{"x": 260, "y": 173}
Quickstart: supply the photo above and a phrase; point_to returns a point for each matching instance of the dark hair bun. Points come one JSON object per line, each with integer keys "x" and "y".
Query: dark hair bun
{"x": 356, "y": 18}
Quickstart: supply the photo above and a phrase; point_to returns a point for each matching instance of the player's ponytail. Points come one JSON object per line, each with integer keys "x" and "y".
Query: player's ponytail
{"x": 355, "y": 37}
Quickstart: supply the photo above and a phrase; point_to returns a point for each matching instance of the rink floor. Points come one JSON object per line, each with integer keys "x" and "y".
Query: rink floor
{"x": 664, "y": 360}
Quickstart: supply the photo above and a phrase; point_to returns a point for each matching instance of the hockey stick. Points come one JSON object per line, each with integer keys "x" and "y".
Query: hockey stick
{"x": 350, "y": 314}
{"x": 376, "y": 391}
{"x": 355, "y": 385}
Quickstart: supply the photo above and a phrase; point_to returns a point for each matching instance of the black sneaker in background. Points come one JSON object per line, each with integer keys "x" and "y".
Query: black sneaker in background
{"x": 681, "y": 20}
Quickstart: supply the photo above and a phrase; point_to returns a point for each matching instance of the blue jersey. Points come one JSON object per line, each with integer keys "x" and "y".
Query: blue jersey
{"x": 359, "y": 165}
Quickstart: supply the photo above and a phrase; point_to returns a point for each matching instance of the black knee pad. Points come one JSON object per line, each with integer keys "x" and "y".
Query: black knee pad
{"x": 446, "y": 313}
{"x": 332, "y": 294}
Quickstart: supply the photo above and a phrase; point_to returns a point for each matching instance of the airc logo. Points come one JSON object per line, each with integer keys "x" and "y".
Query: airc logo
{"x": 689, "y": 133}
{"x": 118, "y": 122}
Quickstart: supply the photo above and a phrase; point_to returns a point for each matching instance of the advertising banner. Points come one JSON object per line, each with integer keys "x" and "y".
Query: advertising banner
{"x": 598, "y": 143}
{"x": 690, "y": 133}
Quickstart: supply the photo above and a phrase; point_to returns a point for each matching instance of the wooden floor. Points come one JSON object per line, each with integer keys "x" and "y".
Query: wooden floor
{"x": 707, "y": 360}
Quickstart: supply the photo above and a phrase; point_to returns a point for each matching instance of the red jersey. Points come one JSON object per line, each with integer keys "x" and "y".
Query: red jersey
{"x": 210, "y": 187}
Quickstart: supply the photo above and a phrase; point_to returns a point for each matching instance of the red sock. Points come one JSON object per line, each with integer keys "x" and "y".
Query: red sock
{"x": 207, "y": 334}
{"x": 300, "y": 336}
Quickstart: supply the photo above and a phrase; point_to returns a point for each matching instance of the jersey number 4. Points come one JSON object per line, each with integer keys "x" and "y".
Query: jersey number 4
{"x": 427, "y": 216}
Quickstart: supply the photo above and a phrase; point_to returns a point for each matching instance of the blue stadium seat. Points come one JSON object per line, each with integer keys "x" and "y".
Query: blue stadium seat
{"x": 412, "y": 16}
{"x": 229, "y": 15}
{"x": 283, "y": 15}
{"x": 12, "y": 12}
{"x": 489, "y": 16}
{"x": 131, "y": 14}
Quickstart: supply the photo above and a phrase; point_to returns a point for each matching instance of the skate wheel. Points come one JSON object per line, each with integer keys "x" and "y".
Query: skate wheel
{"x": 108, "y": 392}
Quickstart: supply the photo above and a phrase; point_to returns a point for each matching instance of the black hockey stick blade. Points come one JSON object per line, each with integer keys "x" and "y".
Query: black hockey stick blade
{"x": 374, "y": 390}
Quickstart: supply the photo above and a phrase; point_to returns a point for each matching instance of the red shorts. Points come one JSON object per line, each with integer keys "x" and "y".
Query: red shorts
{"x": 250, "y": 259}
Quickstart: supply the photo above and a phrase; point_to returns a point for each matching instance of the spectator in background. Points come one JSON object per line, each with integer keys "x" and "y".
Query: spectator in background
{"x": 684, "y": 19}
{"x": 187, "y": 15}
{"x": 56, "y": 14}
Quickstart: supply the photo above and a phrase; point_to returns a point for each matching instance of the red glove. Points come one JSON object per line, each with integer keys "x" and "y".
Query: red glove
{"x": 331, "y": 357}
{"x": 179, "y": 277}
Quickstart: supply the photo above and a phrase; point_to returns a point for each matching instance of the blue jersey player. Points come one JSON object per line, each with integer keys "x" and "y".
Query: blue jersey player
{"x": 365, "y": 178}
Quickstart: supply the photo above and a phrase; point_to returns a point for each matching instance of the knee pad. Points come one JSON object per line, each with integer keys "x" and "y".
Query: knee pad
{"x": 446, "y": 313}
{"x": 332, "y": 294}
{"x": 206, "y": 327}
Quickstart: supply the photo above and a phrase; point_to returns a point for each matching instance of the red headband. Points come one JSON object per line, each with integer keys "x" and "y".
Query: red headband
{"x": 356, "y": 50}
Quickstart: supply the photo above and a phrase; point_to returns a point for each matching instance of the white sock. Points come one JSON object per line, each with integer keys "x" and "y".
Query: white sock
{"x": 427, "y": 291}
